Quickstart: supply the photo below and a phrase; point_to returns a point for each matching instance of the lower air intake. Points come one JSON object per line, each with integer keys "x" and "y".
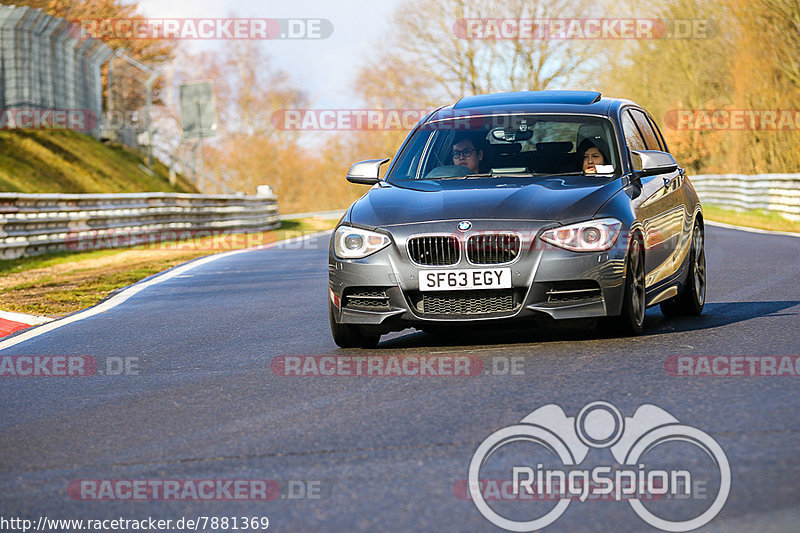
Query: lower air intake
{"x": 467, "y": 302}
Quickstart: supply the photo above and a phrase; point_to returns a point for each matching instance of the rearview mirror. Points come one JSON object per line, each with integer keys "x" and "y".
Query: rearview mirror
{"x": 365, "y": 172}
{"x": 511, "y": 135}
{"x": 652, "y": 162}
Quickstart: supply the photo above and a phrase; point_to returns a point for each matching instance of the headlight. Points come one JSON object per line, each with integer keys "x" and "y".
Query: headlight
{"x": 590, "y": 236}
{"x": 355, "y": 243}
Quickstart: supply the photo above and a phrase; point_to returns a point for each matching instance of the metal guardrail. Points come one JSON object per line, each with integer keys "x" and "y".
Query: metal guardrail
{"x": 776, "y": 193}
{"x": 333, "y": 214}
{"x": 32, "y": 224}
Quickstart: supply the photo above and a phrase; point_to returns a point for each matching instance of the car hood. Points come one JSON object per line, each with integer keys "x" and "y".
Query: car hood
{"x": 553, "y": 199}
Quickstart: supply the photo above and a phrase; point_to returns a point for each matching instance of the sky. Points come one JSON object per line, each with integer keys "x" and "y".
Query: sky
{"x": 324, "y": 68}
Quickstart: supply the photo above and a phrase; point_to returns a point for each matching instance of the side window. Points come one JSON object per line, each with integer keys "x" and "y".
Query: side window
{"x": 438, "y": 151}
{"x": 658, "y": 134}
{"x": 632, "y": 136}
{"x": 650, "y": 138}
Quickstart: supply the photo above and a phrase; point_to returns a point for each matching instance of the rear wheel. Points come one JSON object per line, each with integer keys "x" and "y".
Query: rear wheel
{"x": 631, "y": 321}
{"x": 349, "y": 336}
{"x": 693, "y": 295}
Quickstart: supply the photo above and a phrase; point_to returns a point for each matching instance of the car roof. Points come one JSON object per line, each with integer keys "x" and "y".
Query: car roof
{"x": 550, "y": 102}
{"x": 529, "y": 97}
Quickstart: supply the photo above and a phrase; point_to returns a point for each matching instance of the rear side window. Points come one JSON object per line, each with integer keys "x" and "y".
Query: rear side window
{"x": 658, "y": 134}
{"x": 650, "y": 137}
{"x": 632, "y": 136}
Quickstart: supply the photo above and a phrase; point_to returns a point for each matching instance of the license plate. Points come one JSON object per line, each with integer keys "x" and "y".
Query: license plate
{"x": 454, "y": 280}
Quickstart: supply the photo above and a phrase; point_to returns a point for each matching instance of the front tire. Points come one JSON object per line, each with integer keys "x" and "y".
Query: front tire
{"x": 349, "y": 336}
{"x": 693, "y": 295}
{"x": 631, "y": 321}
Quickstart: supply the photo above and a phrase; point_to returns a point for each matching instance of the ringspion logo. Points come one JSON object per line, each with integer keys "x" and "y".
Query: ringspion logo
{"x": 655, "y": 465}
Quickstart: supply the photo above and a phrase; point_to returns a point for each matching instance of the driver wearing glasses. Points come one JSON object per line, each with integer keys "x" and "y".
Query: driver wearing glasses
{"x": 465, "y": 154}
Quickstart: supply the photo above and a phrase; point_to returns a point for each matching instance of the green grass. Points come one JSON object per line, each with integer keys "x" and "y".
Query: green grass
{"x": 754, "y": 219}
{"x": 8, "y": 266}
{"x": 70, "y": 162}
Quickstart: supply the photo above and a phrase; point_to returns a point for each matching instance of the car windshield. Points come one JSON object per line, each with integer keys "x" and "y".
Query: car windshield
{"x": 513, "y": 146}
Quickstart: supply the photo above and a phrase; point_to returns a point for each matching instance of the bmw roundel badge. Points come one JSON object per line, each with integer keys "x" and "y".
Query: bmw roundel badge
{"x": 464, "y": 225}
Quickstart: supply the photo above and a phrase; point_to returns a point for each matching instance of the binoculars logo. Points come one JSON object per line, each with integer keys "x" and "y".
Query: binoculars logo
{"x": 600, "y": 425}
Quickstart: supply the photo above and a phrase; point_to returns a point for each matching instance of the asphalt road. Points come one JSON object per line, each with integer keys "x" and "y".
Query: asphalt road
{"x": 202, "y": 401}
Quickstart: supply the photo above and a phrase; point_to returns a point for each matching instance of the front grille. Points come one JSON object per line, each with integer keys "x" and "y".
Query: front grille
{"x": 467, "y": 302}
{"x": 366, "y": 299}
{"x": 436, "y": 250}
{"x": 492, "y": 249}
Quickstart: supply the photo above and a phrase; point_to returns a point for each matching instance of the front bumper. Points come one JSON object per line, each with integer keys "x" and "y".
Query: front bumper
{"x": 382, "y": 290}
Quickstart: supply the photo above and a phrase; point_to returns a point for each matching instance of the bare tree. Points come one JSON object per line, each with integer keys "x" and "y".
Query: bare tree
{"x": 432, "y": 45}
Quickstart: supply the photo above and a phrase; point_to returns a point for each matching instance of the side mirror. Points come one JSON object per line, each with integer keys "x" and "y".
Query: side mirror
{"x": 652, "y": 162}
{"x": 365, "y": 172}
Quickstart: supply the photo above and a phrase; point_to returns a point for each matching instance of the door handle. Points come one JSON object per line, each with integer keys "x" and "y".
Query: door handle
{"x": 681, "y": 175}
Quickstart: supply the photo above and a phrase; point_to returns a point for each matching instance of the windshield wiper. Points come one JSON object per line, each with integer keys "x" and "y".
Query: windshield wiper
{"x": 487, "y": 175}
{"x": 491, "y": 175}
{"x": 547, "y": 174}
{"x": 603, "y": 174}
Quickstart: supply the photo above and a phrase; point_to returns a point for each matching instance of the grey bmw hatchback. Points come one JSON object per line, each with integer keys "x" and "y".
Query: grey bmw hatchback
{"x": 548, "y": 205}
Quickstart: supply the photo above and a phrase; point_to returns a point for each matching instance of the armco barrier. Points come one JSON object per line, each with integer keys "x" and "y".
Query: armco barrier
{"x": 777, "y": 193}
{"x": 32, "y": 224}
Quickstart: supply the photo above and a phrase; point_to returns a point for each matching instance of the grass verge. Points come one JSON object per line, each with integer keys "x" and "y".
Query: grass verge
{"x": 70, "y": 162}
{"x": 58, "y": 284}
{"x": 752, "y": 219}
